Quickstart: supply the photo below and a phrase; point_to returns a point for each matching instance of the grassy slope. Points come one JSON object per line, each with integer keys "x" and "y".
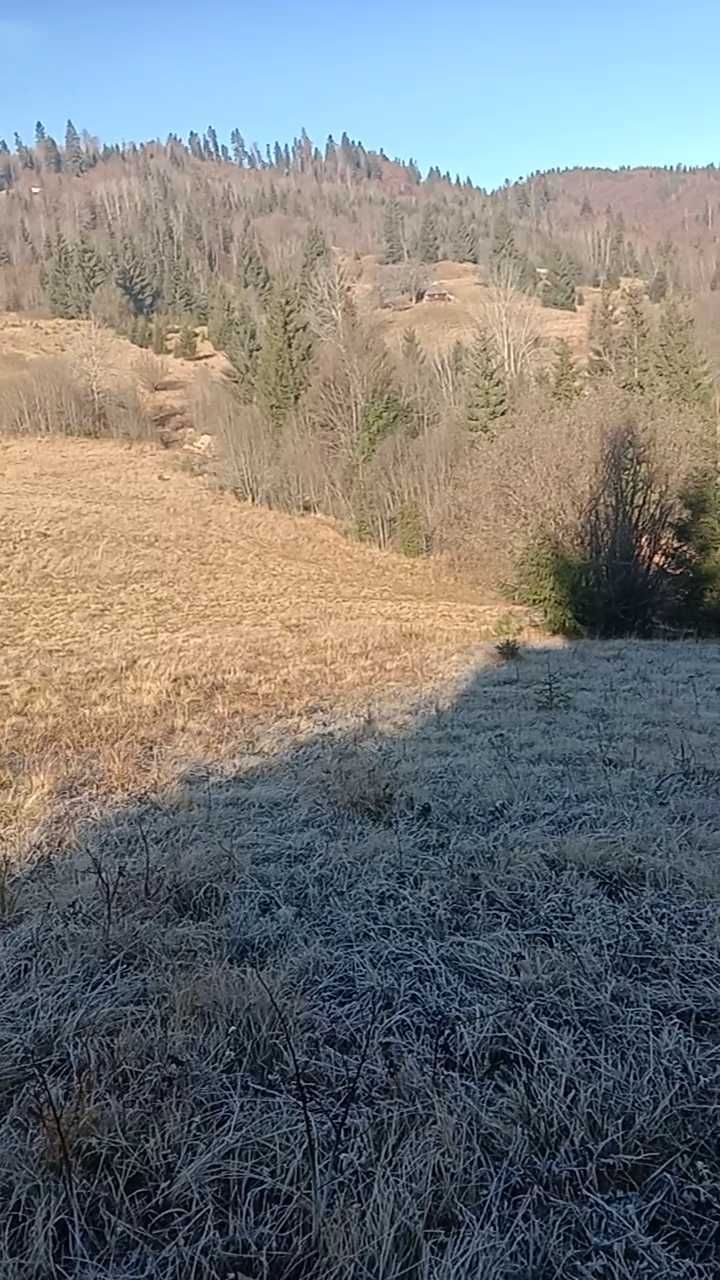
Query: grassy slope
{"x": 410, "y": 969}
{"x": 146, "y": 619}
{"x": 439, "y": 324}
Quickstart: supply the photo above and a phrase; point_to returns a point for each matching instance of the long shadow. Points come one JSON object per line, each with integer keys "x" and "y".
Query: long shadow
{"x": 434, "y": 986}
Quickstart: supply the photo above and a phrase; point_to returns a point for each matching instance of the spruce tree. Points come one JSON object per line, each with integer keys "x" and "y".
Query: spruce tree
{"x": 680, "y": 365}
{"x": 252, "y": 272}
{"x": 24, "y": 154}
{"x": 183, "y": 293}
{"x": 221, "y": 318}
{"x": 393, "y": 251}
{"x": 463, "y": 245}
{"x": 564, "y": 379}
{"x": 634, "y": 344}
{"x": 242, "y": 348}
{"x": 559, "y": 285}
{"x": 507, "y": 263}
{"x": 284, "y": 363}
{"x": 486, "y": 393}
{"x": 59, "y": 278}
{"x": 51, "y": 158}
{"x": 603, "y": 337}
{"x": 315, "y": 253}
{"x": 412, "y": 539}
{"x": 134, "y": 280}
{"x": 616, "y": 255}
{"x": 75, "y": 159}
{"x": 88, "y": 273}
{"x": 428, "y": 244}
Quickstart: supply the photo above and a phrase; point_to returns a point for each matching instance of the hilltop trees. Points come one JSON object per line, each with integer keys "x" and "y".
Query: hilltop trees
{"x": 75, "y": 160}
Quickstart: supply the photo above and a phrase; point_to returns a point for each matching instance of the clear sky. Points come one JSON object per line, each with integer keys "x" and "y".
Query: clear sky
{"x": 487, "y": 88}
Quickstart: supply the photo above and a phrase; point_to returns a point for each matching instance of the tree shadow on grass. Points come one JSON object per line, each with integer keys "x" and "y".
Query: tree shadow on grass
{"x": 435, "y": 989}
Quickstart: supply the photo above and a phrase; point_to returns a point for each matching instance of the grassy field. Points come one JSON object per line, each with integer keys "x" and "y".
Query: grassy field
{"x": 439, "y": 324}
{"x": 332, "y": 946}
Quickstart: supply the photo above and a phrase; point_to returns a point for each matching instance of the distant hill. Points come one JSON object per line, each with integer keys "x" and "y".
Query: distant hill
{"x": 186, "y": 211}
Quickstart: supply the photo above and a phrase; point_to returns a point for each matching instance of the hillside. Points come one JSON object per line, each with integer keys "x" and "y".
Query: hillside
{"x": 334, "y": 936}
{"x": 177, "y": 617}
{"x": 358, "y": 816}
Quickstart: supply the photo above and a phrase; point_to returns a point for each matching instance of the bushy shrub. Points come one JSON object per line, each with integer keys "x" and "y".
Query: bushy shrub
{"x": 699, "y": 528}
{"x": 638, "y": 558}
{"x": 411, "y": 535}
{"x": 548, "y": 578}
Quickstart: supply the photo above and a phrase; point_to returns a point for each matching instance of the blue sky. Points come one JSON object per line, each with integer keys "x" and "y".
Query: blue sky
{"x": 491, "y": 89}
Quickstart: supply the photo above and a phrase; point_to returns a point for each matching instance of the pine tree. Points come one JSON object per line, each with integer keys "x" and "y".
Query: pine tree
{"x": 586, "y": 209}
{"x": 603, "y": 337}
{"x": 634, "y": 344}
{"x": 428, "y": 244}
{"x": 486, "y": 394}
{"x": 134, "y": 280}
{"x": 75, "y": 159}
{"x": 681, "y": 368}
{"x": 558, "y": 289}
{"x": 564, "y": 379}
{"x": 394, "y": 251}
{"x": 283, "y": 366}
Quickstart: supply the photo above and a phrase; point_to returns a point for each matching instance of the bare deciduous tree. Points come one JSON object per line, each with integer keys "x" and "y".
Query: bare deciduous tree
{"x": 509, "y": 316}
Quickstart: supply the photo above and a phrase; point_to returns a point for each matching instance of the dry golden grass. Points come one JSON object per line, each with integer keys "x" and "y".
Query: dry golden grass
{"x": 146, "y": 618}
{"x": 439, "y": 324}
{"x": 85, "y": 352}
